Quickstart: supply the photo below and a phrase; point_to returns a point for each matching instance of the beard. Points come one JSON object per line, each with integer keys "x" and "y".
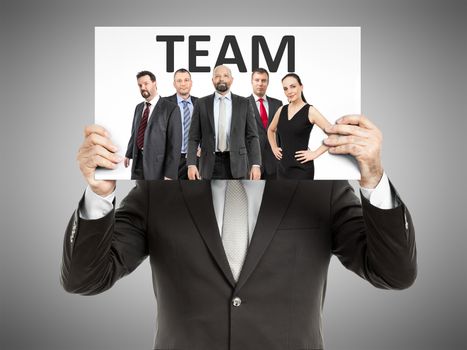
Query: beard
{"x": 222, "y": 87}
{"x": 145, "y": 93}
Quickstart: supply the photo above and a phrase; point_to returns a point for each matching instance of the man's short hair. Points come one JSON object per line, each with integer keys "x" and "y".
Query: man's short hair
{"x": 182, "y": 70}
{"x": 146, "y": 72}
{"x": 259, "y": 70}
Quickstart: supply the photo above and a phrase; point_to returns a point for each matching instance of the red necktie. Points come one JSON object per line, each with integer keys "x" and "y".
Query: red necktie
{"x": 262, "y": 113}
{"x": 142, "y": 127}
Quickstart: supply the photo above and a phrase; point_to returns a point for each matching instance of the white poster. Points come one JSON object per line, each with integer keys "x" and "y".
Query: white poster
{"x": 326, "y": 58}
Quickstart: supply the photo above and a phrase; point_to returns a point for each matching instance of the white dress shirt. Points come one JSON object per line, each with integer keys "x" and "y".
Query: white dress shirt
{"x": 182, "y": 112}
{"x": 96, "y": 207}
{"x": 265, "y": 103}
{"x": 153, "y": 103}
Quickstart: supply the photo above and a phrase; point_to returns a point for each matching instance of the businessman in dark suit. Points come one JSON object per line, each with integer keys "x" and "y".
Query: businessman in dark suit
{"x": 182, "y": 98}
{"x": 156, "y": 134}
{"x": 276, "y": 301}
{"x": 224, "y": 127}
{"x": 265, "y": 107}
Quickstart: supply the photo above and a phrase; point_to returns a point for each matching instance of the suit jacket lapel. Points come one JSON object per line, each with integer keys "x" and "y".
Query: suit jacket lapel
{"x": 210, "y": 110}
{"x": 233, "y": 121}
{"x": 255, "y": 109}
{"x": 270, "y": 110}
{"x": 198, "y": 197}
{"x": 276, "y": 198}
{"x": 138, "y": 115}
{"x": 155, "y": 113}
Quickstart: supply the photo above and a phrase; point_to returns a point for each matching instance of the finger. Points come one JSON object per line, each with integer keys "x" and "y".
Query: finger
{"x": 335, "y": 140}
{"x": 103, "y": 152}
{"x": 356, "y": 119}
{"x": 351, "y": 149}
{"x": 344, "y": 129}
{"x": 96, "y": 139}
{"x": 98, "y": 161}
{"x": 91, "y": 151}
{"x": 95, "y": 129}
{"x": 301, "y": 159}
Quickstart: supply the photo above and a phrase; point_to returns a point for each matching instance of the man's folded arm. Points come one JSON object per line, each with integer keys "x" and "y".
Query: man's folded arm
{"x": 101, "y": 244}
{"x": 375, "y": 239}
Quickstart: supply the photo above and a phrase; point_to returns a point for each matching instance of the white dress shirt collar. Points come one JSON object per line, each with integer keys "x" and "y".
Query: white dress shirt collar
{"x": 228, "y": 95}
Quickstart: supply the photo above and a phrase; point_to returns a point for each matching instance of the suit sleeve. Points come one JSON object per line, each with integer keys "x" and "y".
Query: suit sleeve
{"x": 174, "y": 143}
{"x": 131, "y": 142}
{"x": 194, "y": 136}
{"x": 96, "y": 253}
{"x": 251, "y": 137}
{"x": 377, "y": 244}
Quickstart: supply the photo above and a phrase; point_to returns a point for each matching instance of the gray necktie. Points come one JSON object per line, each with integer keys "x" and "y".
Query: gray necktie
{"x": 222, "y": 127}
{"x": 235, "y": 225}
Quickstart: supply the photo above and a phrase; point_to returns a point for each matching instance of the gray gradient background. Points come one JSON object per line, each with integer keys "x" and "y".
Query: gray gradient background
{"x": 414, "y": 78}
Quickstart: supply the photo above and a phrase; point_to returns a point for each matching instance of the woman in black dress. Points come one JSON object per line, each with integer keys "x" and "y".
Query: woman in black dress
{"x": 293, "y": 124}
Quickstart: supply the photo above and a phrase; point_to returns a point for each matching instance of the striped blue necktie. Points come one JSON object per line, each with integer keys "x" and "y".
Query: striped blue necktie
{"x": 186, "y": 125}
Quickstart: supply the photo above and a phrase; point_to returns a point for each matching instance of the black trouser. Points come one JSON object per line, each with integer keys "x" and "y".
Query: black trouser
{"x": 182, "y": 168}
{"x": 222, "y": 167}
{"x": 138, "y": 172}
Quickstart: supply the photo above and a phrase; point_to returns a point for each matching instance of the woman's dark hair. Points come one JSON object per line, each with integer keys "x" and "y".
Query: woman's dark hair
{"x": 297, "y": 78}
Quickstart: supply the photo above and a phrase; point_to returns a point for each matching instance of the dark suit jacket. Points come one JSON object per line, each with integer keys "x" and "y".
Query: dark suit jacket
{"x": 268, "y": 158}
{"x": 244, "y": 143}
{"x": 283, "y": 281}
{"x": 162, "y": 141}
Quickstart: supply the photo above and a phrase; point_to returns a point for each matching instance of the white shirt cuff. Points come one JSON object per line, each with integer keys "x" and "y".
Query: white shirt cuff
{"x": 381, "y": 196}
{"x": 95, "y": 206}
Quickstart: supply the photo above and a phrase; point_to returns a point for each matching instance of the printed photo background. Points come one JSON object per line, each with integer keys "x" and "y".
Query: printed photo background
{"x": 327, "y": 59}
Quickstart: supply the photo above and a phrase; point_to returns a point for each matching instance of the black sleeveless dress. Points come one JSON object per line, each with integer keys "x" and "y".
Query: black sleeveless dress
{"x": 294, "y": 135}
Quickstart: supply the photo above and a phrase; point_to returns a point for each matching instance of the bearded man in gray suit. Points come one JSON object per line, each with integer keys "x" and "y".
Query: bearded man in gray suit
{"x": 224, "y": 127}
{"x": 156, "y": 134}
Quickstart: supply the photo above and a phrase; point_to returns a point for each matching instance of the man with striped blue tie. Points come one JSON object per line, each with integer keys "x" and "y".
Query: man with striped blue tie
{"x": 182, "y": 98}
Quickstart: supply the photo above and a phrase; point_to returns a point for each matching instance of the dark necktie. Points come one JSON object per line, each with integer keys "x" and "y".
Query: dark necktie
{"x": 262, "y": 113}
{"x": 142, "y": 127}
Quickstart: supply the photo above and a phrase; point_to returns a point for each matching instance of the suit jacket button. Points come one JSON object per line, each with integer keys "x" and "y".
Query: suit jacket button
{"x": 236, "y": 301}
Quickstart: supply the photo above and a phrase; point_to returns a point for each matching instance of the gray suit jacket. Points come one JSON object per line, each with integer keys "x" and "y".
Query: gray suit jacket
{"x": 244, "y": 142}
{"x": 282, "y": 285}
{"x": 268, "y": 158}
{"x": 162, "y": 141}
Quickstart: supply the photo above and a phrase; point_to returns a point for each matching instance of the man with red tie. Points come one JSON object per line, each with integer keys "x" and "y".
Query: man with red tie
{"x": 265, "y": 107}
{"x": 156, "y": 134}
